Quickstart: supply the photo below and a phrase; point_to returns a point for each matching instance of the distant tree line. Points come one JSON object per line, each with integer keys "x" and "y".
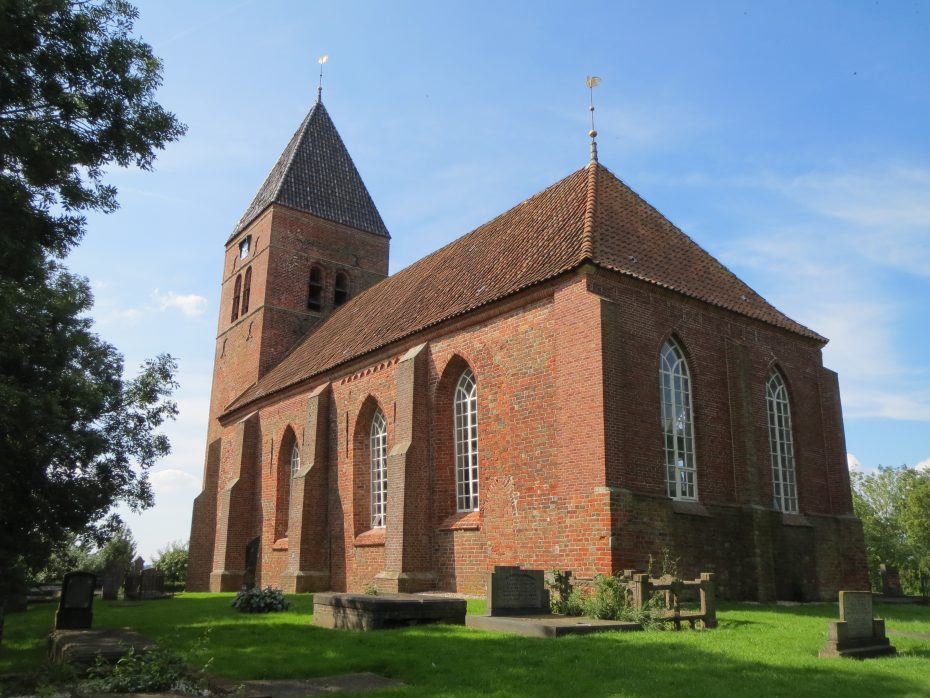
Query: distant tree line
{"x": 894, "y": 506}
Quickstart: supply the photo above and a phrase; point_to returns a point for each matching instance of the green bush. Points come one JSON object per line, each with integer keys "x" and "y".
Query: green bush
{"x": 154, "y": 670}
{"x": 172, "y": 560}
{"x": 261, "y": 600}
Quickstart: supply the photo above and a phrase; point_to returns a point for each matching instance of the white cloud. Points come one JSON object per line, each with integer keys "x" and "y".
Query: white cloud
{"x": 924, "y": 465}
{"x": 853, "y": 463}
{"x": 173, "y": 480}
{"x": 190, "y": 304}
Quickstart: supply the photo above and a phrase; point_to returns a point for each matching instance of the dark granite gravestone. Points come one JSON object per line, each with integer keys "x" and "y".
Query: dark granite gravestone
{"x": 857, "y": 634}
{"x": 513, "y": 591}
{"x": 112, "y": 577}
{"x": 132, "y": 586}
{"x": 891, "y": 580}
{"x": 138, "y": 564}
{"x": 153, "y": 584}
{"x": 77, "y": 598}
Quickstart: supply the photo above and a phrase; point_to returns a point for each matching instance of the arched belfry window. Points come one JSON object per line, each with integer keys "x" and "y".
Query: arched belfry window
{"x": 295, "y": 460}
{"x": 379, "y": 473}
{"x": 315, "y": 289}
{"x": 466, "y": 442}
{"x": 677, "y": 423}
{"x": 781, "y": 444}
{"x": 246, "y": 290}
{"x": 237, "y": 291}
{"x": 341, "y": 289}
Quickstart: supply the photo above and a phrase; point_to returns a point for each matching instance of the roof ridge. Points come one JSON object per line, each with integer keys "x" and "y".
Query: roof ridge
{"x": 587, "y": 231}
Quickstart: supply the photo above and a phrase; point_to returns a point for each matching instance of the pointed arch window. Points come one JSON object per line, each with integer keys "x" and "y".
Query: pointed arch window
{"x": 378, "y": 470}
{"x": 466, "y": 442}
{"x": 315, "y": 290}
{"x": 295, "y": 460}
{"x": 237, "y": 291}
{"x": 246, "y": 290}
{"x": 341, "y": 289}
{"x": 677, "y": 423}
{"x": 781, "y": 444}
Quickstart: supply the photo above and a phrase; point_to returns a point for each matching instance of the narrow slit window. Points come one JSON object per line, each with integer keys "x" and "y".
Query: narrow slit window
{"x": 246, "y": 290}
{"x": 315, "y": 292}
{"x": 781, "y": 445}
{"x": 677, "y": 423}
{"x": 295, "y": 460}
{"x": 379, "y": 472}
{"x": 341, "y": 289}
{"x": 237, "y": 291}
{"x": 466, "y": 442}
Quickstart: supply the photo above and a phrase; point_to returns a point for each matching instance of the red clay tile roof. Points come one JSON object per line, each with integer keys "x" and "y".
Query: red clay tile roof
{"x": 588, "y": 216}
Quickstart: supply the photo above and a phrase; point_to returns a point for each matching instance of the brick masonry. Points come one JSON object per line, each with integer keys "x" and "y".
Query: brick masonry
{"x": 571, "y": 473}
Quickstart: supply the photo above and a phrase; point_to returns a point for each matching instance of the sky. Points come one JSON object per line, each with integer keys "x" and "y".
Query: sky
{"x": 789, "y": 139}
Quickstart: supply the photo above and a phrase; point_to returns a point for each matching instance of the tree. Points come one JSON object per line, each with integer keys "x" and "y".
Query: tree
{"x": 77, "y": 94}
{"x": 172, "y": 560}
{"x": 894, "y": 507}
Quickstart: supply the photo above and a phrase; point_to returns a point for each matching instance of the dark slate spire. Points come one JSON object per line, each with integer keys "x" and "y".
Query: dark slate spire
{"x": 315, "y": 174}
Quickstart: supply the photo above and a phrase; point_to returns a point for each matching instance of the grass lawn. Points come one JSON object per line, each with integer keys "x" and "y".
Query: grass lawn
{"x": 758, "y": 650}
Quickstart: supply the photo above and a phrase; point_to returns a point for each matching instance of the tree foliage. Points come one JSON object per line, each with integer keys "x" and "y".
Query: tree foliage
{"x": 77, "y": 95}
{"x": 894, "y": 506}
{"x": 172, "y": 560}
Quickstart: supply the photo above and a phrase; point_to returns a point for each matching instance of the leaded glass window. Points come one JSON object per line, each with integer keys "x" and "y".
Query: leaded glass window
{"x": 295, "y": 460}
{"x": 781, "y": 445}
{"x": 378, "y": 470}
{"x": 677, "y": 423}
{"x": 466, "y": 442}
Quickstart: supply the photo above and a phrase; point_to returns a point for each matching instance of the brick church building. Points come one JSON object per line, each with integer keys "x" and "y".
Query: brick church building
{"x": 575, "y": 384}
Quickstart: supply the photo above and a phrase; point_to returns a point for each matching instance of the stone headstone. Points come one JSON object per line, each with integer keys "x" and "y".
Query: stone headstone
{"x": 513, "y": 591}
{"x": 132, "y": 586}
{"x": 77, "y": 598}
{"x": 891, "y": 580}
{"x": 112, "y": 578}
{"x": 153, "y": 583}
{"x": 138, "y": 564}
{"x": 857, "y": 634}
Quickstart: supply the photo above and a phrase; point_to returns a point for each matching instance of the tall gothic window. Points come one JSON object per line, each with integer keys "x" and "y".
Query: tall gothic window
{"x": 378, "y": 470}
{"x": 237, "y": 291}
{"x": 295, "y": 460}
{"x": 781, "y": 445}
{"x": 246, "y": 290}
{"x": 315, "y": 291}
{"x": 677, "y": 423}
{"x": 466, "y": 442}
{"x": 341, "y": 289}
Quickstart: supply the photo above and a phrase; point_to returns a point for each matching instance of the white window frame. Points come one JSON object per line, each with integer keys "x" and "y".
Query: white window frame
{"x": 295, "y": 459}
{"x": 465, "y": 424}
{"x": 677, "y": 412}
{"x": 781, "y": 445}
{"x": 379, "y": 473}
{"x": 244, "y": 245}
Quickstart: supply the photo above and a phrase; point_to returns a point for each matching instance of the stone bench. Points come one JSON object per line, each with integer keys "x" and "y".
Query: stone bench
{"x": 370, "y": 612}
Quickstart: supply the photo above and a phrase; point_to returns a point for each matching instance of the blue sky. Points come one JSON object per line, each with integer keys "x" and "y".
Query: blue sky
{"x": 789, "y": 139}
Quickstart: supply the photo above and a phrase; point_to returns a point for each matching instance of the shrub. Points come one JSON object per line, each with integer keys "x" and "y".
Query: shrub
{"x": 261, "y": 600}
{"x": 156, "y": 669}
{"x": 172, "y": 560}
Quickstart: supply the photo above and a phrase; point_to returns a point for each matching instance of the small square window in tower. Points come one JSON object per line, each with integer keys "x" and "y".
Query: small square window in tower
{"x": 244, "y": 247}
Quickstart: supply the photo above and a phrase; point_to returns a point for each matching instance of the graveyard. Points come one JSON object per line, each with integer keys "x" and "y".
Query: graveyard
{"x": 754, "y": 647}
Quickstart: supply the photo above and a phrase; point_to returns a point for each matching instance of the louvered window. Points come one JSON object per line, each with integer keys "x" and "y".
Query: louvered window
{"x": 341, "y": 289}
{"x": 246, "y": 290}
{"x": 315, "y": 292}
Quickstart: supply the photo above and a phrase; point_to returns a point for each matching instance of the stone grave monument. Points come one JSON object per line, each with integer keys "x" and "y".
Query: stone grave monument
{"x": 77, "y": 598}
{"x": 112, "y": 577}
{"x": 514, "y": 592}
{"x": 857, "y": 634}
{"x": 891, "y": 581}
{"x": 153, "y": 584}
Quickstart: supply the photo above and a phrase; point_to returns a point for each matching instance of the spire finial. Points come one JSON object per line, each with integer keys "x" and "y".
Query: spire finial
{"x": 319, "y": 90}
{"x": 592, "y": 82}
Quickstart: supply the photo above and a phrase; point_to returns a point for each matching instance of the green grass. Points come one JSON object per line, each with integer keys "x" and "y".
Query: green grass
{"x": 758, "y": 650}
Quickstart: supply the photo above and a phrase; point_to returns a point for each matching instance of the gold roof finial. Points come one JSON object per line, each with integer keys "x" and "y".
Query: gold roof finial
{"x": 592, "y": 82}
{"x": 319, "y": 90}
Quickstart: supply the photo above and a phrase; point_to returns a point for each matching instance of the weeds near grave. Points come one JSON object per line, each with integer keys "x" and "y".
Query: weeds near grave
{"x": 156, "y": 669}
{"x": 371, "y": 589}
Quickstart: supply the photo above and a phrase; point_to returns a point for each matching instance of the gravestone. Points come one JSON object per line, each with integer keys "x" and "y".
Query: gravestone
{"x": 77, "y": 598}
{"x": 152, "y": 584}
{"x": 138, "y": 564}
{"x": 132, "y": 586}
{"x": 857, "y": 634}
{"x": 891, "y": 580}
{"x": 112, "y": 577}
{"x": 513, "y": 592}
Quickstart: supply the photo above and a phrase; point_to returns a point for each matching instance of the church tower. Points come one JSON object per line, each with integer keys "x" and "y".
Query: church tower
{"x": 309, "y": 240}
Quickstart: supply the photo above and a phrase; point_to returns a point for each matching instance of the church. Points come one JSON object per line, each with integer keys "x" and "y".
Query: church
{"x": 574, "y": 385}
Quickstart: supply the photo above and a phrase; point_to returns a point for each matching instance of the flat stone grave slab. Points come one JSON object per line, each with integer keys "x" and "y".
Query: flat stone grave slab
{"x": 283, "y": 688}
{"x": 377, "y": 612}
{"x": 858, "y": 633}
{"x": 83, "y": 646}
{"x": 548, "y": 625}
